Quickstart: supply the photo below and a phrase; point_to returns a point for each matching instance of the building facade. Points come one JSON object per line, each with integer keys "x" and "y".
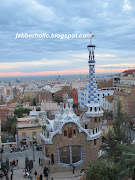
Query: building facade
{"x": 125, "y": 93}
{"x": 71, "y": 140}
{"x": 101, "y": 93}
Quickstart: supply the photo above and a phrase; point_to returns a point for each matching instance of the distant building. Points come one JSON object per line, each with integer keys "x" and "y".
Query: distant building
{"x": 108, "y": 103}
{"x": 125, "y": 93}
{"x": 64, "y": 89}
{"x": 49, "y": 106}
{"x": 83, "y": 95}
{"x": 26, "y": 104}
{"x": 28, "y": 129}
{"x": 31, "y": 93}
{"x": 45, "y": 96}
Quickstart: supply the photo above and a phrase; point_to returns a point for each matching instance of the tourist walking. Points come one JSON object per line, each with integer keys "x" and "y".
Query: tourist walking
{"x": 41, "y": 177}
{"x": 73, "y": 167}
{"x": 39, "y": 160}
{"x": 38, "y": 176}
{"x": 11, "y": 176}
{"x": 35, "y": 173}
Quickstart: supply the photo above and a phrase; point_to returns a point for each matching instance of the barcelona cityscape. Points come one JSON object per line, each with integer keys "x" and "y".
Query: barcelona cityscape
{"x": 67, "y": 90}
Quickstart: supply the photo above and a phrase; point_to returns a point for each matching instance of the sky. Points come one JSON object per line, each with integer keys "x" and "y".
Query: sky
{"x": 111, "y": 21}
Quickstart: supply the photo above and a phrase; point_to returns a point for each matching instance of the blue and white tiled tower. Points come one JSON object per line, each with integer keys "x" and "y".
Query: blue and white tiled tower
{"x": 93, "y": 106}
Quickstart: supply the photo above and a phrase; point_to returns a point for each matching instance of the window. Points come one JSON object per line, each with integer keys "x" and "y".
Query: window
{"x": 23, "y": 135}
{"x": 74, "y": 132}
{"x": 52, "y": 159}
{"x": 125, "y": 99}
{"x": 34, "y": 135}
{"x": 125, "y": 107}
{"x": 69, "y": 155}
{"x": 76, "y": 154}
{"x": 64, "y": 154}
{"x": 86, "y": 126}
{"x": 95, "y": 109}
{"x": 120, "y": 98}
{"x": 69, "y": 132}
{"x": 65, "y": 133}
{"x": 95, "y": 142}
{"x": 116, "y": 97}
{"x": 95, "y": 120}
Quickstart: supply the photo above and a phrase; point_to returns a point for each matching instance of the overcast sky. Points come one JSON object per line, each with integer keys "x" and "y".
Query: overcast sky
{"x": 111, "y": 21}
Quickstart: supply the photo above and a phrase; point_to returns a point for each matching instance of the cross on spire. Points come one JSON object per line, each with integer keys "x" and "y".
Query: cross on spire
{"x": 91, "y": 35}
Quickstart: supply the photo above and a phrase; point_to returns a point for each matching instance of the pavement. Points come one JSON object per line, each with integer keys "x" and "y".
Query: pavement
{"x": 18, "y": 170}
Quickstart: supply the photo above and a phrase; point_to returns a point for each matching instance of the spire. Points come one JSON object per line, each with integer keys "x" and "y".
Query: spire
{"x": 93, "y": 106}
{"x": 92, "y": 94}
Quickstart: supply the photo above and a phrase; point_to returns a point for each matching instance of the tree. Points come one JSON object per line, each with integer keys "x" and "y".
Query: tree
{"x": 20, "y": 111}
{"x": 101, "y": 170}
{"x": 117, "y": 135}
{"x": 10, "y": 126}
{"x": 127, "y": 161}
{"x": 13, "y": 129}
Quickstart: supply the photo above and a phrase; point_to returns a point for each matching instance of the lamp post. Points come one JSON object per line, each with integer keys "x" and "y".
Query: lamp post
{"x": 33, "y": 153}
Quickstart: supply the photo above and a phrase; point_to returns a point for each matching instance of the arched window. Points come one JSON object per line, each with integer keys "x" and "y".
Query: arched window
{"x": 90, "y": 108}
{"x": 69, "y": 132}
{"x": 93, "y": 131}
{"x": 74, "y": 132}
{"x": 68, "y": 155}
{"x": 95, "y": 142}
{"x": 52, "y": 159}
{"x": 86, "y": 126}
{"x": 95, "y": 109}
{"x": 65, "y": 133}
{"x": 96, "y": 130}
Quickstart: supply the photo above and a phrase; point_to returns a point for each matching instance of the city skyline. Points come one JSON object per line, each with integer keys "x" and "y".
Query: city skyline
{"x": 112, "y": 23}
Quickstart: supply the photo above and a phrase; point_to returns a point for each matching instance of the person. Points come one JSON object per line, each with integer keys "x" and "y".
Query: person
{"x": 73, "y": 167}
{"x": 12, "y": 170}
{"x": 38, "y": 176}
{"x": 27, "y": 174}
{"x": 35, "y": 173}
{"x": 1, "y": 175}
{"x": 83, "y": 176}
{"x": 41, "y": 177}
{"x": 11, "y": 176}
{"x": 30, "y": 175}
{"x": 7, "y": 178}
{"x": 44, "y": 171}
{"x": 24, "y": 173}
{"x": 39, "y": 160}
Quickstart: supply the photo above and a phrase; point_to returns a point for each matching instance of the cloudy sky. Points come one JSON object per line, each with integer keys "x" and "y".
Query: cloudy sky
{"x": 111, "y": 21}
